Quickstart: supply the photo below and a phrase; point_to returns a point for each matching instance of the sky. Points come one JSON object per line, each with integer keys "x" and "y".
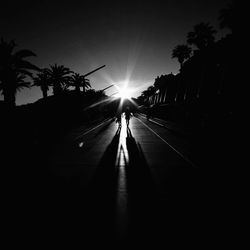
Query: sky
{"x": 134, "y": 39}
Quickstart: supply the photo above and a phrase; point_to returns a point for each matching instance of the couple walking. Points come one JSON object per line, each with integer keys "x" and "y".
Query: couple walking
{"x": 127, "y": 117}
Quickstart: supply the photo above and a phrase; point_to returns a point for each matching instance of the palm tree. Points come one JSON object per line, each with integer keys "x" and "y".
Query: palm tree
{"x": 202, "y": 36}
{"x": 42, "y": 80}
{"x": 59, "y": 77}
{"x": 17, "y": 82}
{"x": 226, "y": 17}
{"x": 78, "y": 81}
{"x": 13, "y": 69}
{"x": 181, "y": 52}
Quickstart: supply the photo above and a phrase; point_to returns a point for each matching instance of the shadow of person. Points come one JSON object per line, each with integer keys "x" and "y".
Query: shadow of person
{"x": 110, "y": 154}
{"x": 101, "y": 194}
{"x": 141, "y": 190}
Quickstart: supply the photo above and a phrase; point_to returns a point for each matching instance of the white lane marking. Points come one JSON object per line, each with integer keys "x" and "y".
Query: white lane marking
{"x": 179, "y": 153}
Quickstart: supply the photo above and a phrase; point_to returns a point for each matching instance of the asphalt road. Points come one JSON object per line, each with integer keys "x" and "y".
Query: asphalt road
{"x": 141, "y": 182}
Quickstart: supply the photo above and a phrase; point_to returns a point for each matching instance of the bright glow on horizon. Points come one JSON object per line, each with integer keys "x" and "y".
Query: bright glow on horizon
{"x": 124, "y": 92}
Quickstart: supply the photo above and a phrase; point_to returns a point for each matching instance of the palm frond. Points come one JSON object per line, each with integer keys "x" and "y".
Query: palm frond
{"x": 22, "y": 64}
{"x": 22, "y": 85}
{"x": 25, "y": 72}
{"x": 24, "y": 53}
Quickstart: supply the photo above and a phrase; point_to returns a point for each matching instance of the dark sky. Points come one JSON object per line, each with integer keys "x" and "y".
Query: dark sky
{"x": 134, "y": 39}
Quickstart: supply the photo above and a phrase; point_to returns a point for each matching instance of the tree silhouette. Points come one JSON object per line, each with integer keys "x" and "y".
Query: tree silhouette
{"x": 13, "y": 70}
{"x": 59, "y": 77}
{"x": 202, "y": 36}
{"x": 42, "y": 80}
{"x": 226, "y": 17}
{"x": 181, "y": 52}
{"x": 78, "y": 81}
{"x": 17, "y": 82}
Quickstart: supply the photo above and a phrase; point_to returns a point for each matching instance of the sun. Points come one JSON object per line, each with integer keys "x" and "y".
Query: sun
{"x": 124, "y": 92}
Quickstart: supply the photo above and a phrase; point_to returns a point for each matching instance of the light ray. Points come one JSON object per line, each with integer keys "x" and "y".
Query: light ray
{"x": 107, "y": 100}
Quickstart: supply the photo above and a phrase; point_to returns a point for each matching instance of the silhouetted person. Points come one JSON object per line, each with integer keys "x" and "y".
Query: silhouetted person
{"x": 127, "y": 116}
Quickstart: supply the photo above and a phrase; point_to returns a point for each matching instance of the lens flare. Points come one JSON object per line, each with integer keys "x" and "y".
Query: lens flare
{"x": 124, "y": 92}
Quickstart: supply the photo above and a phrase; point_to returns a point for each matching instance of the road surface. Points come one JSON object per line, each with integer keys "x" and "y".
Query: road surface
{"x": 128, "y": 183}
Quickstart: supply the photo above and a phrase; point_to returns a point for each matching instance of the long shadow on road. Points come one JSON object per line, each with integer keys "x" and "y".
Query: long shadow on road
{"x": 122, "y": 184}
{"x": 122, "y": 176}
{"x": 102, "y": 192}
{"x": 142, "y": 197}
{"x": 154, "y": 217}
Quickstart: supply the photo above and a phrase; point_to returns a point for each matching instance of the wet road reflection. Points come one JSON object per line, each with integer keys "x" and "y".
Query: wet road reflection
{"x": 122, "y": 185}
{"x": 122, "y": 160}
{"x": 134, "y": 185}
